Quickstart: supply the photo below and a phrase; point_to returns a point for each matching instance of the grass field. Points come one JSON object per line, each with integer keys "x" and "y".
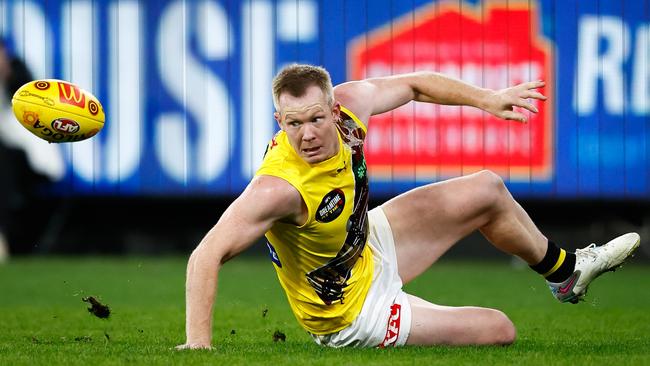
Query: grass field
{"x": 43, "y": 320}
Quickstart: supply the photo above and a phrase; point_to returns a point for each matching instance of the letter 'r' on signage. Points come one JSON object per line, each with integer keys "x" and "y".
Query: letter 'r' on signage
{"x": 475, "y": 44}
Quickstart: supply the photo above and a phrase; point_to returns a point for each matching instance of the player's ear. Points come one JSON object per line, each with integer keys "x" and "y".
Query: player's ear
{"x": 336, "y": 111}
{"x": 278, "y": 119}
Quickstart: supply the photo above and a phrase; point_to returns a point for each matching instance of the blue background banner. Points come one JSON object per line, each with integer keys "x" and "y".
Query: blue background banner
{"x": 186, "y": 87}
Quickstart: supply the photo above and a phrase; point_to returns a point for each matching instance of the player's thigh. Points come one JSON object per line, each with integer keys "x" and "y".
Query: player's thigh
{"x": 428, "y": 220}
{"x": 435, "y": 324}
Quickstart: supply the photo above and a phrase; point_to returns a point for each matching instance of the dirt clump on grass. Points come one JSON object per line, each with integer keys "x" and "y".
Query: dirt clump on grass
{"x": 279, "y": 336}
{"x": 96, "y": 308}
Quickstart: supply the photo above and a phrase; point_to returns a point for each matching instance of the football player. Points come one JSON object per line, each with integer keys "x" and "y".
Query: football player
{"x": 343, "y": 266}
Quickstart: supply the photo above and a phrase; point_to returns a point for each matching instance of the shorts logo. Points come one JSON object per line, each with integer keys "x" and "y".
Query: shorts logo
{"x": 273, "y": 255}
{"x": 392, "y": 331}
{"x": 331, "y": 206}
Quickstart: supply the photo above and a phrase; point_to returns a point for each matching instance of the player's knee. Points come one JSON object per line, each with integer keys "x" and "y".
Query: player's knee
{"x": 503, "y": 330}
{"x": 491, "y": 187}
{"x": 490, "y": 180}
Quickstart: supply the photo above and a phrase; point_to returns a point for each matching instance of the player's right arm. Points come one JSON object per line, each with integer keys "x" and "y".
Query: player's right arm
{"x": 265, "y": 200}
{"x": 381, "y": 94}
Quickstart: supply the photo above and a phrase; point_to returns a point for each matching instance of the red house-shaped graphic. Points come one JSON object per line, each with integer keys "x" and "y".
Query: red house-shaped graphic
{"x": 494, "y": 45}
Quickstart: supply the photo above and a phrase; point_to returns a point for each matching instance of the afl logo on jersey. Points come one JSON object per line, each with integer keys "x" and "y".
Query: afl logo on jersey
{"x": 331, "y": 206}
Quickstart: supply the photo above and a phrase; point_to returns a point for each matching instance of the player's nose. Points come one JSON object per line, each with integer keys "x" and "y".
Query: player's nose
{"x": 308, "y": 132}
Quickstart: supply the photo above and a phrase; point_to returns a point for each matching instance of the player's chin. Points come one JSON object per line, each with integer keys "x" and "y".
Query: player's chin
{"x": 313, "y": 158}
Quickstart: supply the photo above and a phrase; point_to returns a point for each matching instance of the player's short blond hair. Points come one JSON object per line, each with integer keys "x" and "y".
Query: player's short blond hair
{"x": 296, "y": 78}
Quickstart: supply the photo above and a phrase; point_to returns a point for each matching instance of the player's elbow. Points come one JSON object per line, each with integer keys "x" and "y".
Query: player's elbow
{"x": 504, "y": 331}
{"x": 206, "y": 255}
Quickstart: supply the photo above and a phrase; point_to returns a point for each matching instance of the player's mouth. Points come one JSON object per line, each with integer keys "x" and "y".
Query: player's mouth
{"x": 311, "y": 151}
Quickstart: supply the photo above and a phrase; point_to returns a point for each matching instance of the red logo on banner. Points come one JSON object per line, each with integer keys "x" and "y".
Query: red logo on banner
{"x": 70, "y": 94}
{"x": 494, "y": 46}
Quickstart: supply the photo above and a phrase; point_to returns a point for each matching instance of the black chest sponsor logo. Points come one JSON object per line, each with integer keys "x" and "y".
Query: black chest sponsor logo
{"x": 331, "y": 206}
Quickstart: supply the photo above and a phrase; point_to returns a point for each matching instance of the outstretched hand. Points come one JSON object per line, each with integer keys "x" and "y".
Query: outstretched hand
{"x": 502, "y": 102}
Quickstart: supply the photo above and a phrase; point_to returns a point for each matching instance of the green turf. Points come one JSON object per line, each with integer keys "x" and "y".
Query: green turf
{"x": 44, "y": 321}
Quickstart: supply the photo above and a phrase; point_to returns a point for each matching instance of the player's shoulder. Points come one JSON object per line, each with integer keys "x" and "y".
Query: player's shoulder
{"x": 272, "y": 186}
{"x": 352, "y": 92}
{"x": 268, "y": 181}
{"x": 275, "y": 194}
{"x": 355, "y": 96}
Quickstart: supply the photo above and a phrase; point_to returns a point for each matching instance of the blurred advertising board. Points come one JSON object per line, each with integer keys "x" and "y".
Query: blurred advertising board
{"x": 186, "y": 88}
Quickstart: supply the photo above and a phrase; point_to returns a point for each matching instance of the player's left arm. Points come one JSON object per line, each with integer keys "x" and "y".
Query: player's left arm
{"x": 378, "y": 95}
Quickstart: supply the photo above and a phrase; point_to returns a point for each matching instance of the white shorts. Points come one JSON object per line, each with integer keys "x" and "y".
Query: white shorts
{"x": 385, "y": 318}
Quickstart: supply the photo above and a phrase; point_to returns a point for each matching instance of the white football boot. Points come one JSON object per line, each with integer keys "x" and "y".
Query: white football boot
{"x": 593, "y": 261}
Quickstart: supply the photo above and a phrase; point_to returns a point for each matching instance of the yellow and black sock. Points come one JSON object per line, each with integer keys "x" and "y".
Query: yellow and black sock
{"x": 557, "y": 265}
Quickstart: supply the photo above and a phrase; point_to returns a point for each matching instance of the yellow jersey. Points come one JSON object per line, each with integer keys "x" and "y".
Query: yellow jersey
{"x": 324, "y": 265}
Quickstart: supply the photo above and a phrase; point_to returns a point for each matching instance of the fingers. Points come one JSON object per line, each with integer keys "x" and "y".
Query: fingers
{"x": 192, "y": 346}
{"x": 514, "y": 116}
{"x": 526, "y": 90}
{"x": 522, "y": 95}
{"x": 533, "y": 84}
{"x": 533, "y": 94}
{"x": 523, "y": 103}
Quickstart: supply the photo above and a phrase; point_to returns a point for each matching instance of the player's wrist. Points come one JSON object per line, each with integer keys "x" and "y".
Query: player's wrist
{"x": 485, "y": 99}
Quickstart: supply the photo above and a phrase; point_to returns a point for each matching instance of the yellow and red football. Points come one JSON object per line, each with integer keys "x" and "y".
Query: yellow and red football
{"x": 58, "y": 111}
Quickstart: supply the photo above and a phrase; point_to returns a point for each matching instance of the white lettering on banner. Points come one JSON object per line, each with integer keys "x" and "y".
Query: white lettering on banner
{"x": 217, "y": 115}
{"x": 214, "y": 35}
{"x": 79, "y": 39}
{"x": 603, "y": 67}
{"x": 170, "y": 126}
{"x": 121, "y": 153}
{"x": 32, "y": 37}
{"x": 496, "y": 76}
{"x": 430, "y": 139}
{"x": 298, "y": 20}
{"x": 123, "y": 148}
{"x": 257, "y": 75}
{"x": 641, "y": 72}
{"x": 196, "y": 88}
{"x": 592, "y": 65}
{"x": 200, "y": 153}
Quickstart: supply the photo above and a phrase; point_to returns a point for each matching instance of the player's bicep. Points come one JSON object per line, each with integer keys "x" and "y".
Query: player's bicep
{"x": 374, "y": 96}
{"x": 265, "y": 201}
